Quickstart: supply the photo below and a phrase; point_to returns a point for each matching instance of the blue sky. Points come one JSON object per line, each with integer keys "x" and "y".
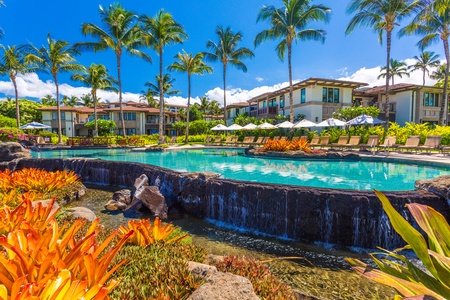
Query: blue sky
{"x": 355, "y": 57}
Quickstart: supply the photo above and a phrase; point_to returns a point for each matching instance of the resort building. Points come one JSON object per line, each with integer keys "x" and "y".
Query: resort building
{"x": 235, "y": 109}
{"x": 316, "y": 98}
{"x": 139, "y": 118}
{"x": 407, "y": 102}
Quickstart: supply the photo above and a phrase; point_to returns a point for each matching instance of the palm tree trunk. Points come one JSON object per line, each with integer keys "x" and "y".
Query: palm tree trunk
{"x": 423, "y": 78}
{"x": 58, "y": 108}
{"x": 443, "y": 119}
{"x": 291, "y": 89}
{"x": 188, "y": 108}
{"x": 225, "y": 93}
{"x": 16, "y": 92}
{"x": 388, "y": 58}
{"x": 122, "y": 123}
{"x": 94, "y": 98}
{"x": 161, "y": 98}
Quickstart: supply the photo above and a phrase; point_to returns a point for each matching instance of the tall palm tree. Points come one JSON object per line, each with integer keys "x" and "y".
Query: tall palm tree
{"x": 161, "y": 31}
{"x": 439, "y": 73}
{"x": 149, "y": 97}
{"x": 167, "y": 84}
{"x": 423, "y": 62}
{"x": 215, "y": 109}
{"x": 70, "y": 101}
{"x": 86, "y": 100}
{"x": 433, "y": 23}
{"x": 381, "y": 16}
{"x": 54, "y": 58}
{"x": 227, "y": 51}
{"x": 13, "y": 63}
{"x": 396, "y": 68}
{"x": 204, "y": 105}
{"x": 290, "y": 23}
{"x": 97, "y": 78}
{"x": 120, "y": 33}
{"x": 48, "y": 100}
{"x": 190, "y": 64}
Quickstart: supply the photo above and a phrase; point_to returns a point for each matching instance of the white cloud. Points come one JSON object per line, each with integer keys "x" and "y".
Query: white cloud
{"x": 259, "y": 79}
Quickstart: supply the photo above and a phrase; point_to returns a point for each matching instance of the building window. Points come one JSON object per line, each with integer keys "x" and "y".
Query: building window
{"x": 281, "y": 101}
{"x": 303, "y": 96}
{"x": 264, "y": 104}
{"x": 63, "y": 115}
{"x": 272, "y": 102}
{"x": 54, "y": 115}
{"x": 431, "y": 99}
{"x": 330, "y": 95}
{"x": 237, "y": 111}
{"x": 128, "y": 116}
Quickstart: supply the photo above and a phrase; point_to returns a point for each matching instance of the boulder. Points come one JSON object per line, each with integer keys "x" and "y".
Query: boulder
{"x": 201, "y": 270}
{"x": 151, "y": 197}
{"x": 80, "y": 212}
{"x": 115, "y": 205}
{"x": 439, "y": 186}
{"x": 225, "y": 286}
{"x": 46, "y": 203}
{"x": 11, "y": 150}
{"x": 123, "y": 196}
{"x": 140, "y": 182}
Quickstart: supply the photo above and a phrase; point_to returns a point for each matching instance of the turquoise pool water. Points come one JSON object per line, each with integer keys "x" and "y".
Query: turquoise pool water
{"x": 232, "y": 164}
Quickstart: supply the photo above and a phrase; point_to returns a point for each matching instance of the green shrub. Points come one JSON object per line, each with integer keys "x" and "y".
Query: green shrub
{"x": 265, "y": 285}
{"x": 158, "y": 270}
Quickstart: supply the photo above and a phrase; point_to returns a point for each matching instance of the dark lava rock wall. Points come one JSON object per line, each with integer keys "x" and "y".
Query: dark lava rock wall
{"x": 343, "y": 217}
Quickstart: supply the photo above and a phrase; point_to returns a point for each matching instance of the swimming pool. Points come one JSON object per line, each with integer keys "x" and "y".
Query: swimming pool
{"x": 232, "y": 164}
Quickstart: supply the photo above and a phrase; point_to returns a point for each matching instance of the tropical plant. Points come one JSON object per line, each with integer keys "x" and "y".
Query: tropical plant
{"x": 433, "y": 23}
{"x": 381, "y": 16}
{"x": 86, "y": 100}
{"x": 161, "y": 31}
{"x": 352, "y": 112}
{"x": 48, "y": 100}
{"x": 149, "y": 97}
{"x": 167, "y": 85}
{"x": 13, "y": 63}
{"x": 54, "y": 58}
{"x": 120, "y": 33}
{"x": 227, "y": 51}
{"x": 97, "y": 78}
{"x": 70, "y": 101}
{"x": 104, "y": 127}
{"x": 189, "y": 64}
{"x": 286, "y": 145}
{"x": 28, "y": 110}
{"x": 7, "y": 121}
{"x": 423, "y": 62}
{"x": 291, "y": 23}
{"x": 396, "y": 68}
{"x": 204, "y": 105}
{"x": 397, "y": 270}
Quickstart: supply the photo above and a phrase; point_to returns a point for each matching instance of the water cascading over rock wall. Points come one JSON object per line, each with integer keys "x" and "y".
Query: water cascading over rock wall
{"x": 343, "y": 217}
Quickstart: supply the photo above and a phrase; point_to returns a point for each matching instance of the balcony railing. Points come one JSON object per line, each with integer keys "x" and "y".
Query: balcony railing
{"x": 271, "y": 110}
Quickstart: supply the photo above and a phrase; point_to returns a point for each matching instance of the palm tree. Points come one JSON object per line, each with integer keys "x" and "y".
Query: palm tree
{"x": 56, "y": 57}
{"x": 149, "y": 97}
{"x": 425, "y": 61}
{"x": 215, "y": 109}
{"x": 48, "y": 100}
{"x": 162, "y": 31}
{"x": 86, "y": 100}
{"x": 290, "y": 23}
{"x": 396, "y": 68}
{"x": 433, "y": 23}
{"x": 439, "y": 73}
{"x": 97, "y": 78}
{"x": 190, "y": 64}
{"x": 13, "y": 63}
{"x": 381, "y": 16}
{"x": 70, "y": 101}
{"x": 121, "y": 34}
{"x": 204, "y": 105}
{"x": 227, "y": 52}
{"x": 153, "y": 88}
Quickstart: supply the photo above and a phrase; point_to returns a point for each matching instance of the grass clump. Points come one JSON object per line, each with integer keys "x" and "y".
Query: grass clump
{"x": 157, "y": 271}
{"x": 265, "y": 284}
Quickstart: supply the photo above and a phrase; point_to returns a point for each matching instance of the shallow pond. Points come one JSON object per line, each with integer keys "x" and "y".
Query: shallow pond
{"x": 323, "y": 272}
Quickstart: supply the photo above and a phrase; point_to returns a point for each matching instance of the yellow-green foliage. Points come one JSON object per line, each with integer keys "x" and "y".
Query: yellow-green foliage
{"x": 265, "y": 285}
{"x": 285, "y": 145}
{"x": 158, "y": 271}
{"x": 397, "y": 271}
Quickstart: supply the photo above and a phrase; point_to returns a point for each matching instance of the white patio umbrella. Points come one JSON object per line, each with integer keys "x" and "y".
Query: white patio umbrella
{"x": 219, "y": 127}
{"x": 249, "y": 126}
{"x": 235, "y": 127}
{"x": 34, "y": 125}
{"x": 266, "y": 126}
{"x": 285, "y": 124}
{"x": 331, "y": 122}
{"x": 365, "y": 119}
{"x": 304, "y": 124}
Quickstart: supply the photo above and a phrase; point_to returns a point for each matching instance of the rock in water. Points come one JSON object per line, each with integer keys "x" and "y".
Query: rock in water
{"x": 11, "y": 150}
{"x": 80, "y": 212}
{"x": 140, "y": 182}
{"x": 439, "y": 186}
{"x": 151, "y": 197}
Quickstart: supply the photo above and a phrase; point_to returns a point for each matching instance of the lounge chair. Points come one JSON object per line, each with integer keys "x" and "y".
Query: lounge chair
{"x": 229, "y": 139}
{"x": 432, "y": 142}
{"x": 247, "y": 140}
{"x": 389, "y": 143}
{"x": 265, "y": 139}
{"x": 258, "y": 141}
{"x": 208, "y": 139}
{"x": 315, "y": 141}
{"x": 343, "y": 139}
{"x": 352, "y": 142}
{"x": 324, "y": 141}
{"x": 217, "y": 139}
{"x": 445, "y": 149}
{"x": 304, "y": 137}
{"x": 283, "y": 138}
{"x": 372, "y": 143}
{"x": 276, "y": 138}
{"x": 295, "y": 139}
{"x": 412, "y": 142}
{"x": 173, "y": 140}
